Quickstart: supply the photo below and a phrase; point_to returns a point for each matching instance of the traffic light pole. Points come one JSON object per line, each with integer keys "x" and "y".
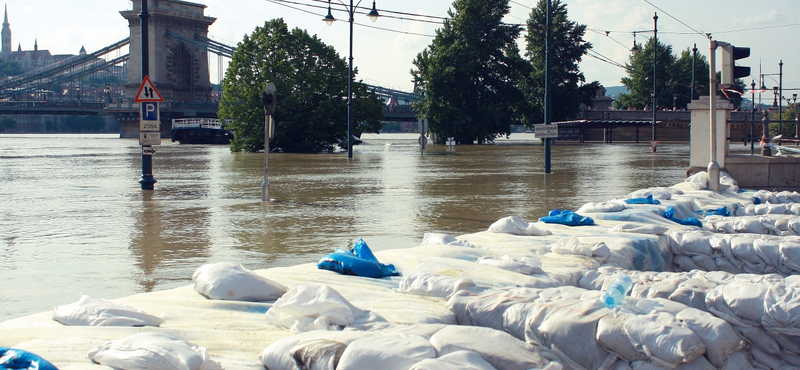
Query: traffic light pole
{"x": 713, "y": 166}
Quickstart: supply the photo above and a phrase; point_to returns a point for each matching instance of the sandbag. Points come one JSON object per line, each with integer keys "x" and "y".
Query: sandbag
{"x": 318, "y": 347}
{"x": 88, "y": 311}
{"x": 314, "y": 307}
{"x": 443, "y": 239}
{"x": 612, "y": 336}
{"x": 782, "y": 309}
{"x": 610, "y": 206}
{"x": 496, "y": 347}
{"x": 717, "y": 335}
{"x": 233, "y": 282}
{"x": 527, "y": 265}
{"x": 425, "y": 284}
{"x": 459, "y": 360}
{"x": 152, "y": 351}
{"x": 666, "y": 341}
{"x": 738, "y": 302}
{"x": 516, "y": 226}
{"x": 386, "y": 351}
{"x": 572, "y": 331}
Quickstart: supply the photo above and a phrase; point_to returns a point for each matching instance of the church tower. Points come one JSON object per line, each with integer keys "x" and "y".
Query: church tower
{"x": 6, "y": 34}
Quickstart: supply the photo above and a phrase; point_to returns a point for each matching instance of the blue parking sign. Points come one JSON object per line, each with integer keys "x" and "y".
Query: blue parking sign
{"x": 149, "y": 111}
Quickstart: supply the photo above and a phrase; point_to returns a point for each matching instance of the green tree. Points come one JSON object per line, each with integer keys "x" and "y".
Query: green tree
{"x": 313, "y": 79}
{"x": 467, "y": 77}
{"x": 682, "y": 75}
{"x": 640, "y": 77}
{"x": 7, "y": 123}
{"x": 567, "y": 81}
{"x": 9, "y": 68}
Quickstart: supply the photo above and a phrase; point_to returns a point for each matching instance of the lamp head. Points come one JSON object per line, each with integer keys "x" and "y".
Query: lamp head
{"x": 329, "y": 19}
{"x": 373, "y": 14}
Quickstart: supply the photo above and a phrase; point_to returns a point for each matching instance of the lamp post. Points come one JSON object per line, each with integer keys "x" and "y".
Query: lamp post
{"x": 107, "y": 90}
{"x": 654, "y": 144}
{"x": 329, "y": 19}
{"x": 694, "y": 57}
{"x": 752, "y": 114}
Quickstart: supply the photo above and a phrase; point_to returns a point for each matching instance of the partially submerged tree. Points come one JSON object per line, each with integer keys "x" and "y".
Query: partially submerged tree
{"x": 310, "y": 75}
{"x": 467, "y": 77}
{"x": 567, "y": 81}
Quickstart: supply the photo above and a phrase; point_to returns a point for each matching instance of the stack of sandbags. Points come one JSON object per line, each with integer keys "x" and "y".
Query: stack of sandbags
{"x": 764, "y": 225}
{"x": 735, "y": 253}
{"x": 417, "y": 347}
{"x": 764, "y": 310}
{"x": 571, "y": 322}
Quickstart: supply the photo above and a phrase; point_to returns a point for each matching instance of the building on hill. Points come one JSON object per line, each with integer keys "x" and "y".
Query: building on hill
{"x": 28, "y": 59}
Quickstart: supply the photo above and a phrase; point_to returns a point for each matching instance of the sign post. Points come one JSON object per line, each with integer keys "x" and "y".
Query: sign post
{"x": 149, "y": 128}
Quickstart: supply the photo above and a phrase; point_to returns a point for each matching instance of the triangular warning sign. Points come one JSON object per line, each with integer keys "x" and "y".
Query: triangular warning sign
{"x": 653, "y": 144}
{"x": 147, "y": 92}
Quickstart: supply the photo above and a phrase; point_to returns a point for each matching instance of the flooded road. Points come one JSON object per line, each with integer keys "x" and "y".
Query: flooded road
{"x": 73, "y": 218}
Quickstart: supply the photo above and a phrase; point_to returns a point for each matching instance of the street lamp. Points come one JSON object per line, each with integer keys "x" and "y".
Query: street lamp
{"x": 635, "y": 49}
{"x": 107, "y": 90}
{"x": 329, "y": 19}
{"x": 694, "y": 57}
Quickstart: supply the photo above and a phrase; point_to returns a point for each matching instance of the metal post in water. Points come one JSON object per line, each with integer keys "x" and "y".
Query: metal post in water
{"x": 147, "y": 180}
{"x": 547, "y": 92}
{"x": 265, "y": 181}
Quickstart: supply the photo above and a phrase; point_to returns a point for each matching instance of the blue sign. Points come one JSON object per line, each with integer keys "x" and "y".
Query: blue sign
{"x": 149, "y": 111}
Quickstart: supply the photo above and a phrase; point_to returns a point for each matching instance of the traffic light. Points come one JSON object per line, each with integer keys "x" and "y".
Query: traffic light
{"x": 730, "y": 71}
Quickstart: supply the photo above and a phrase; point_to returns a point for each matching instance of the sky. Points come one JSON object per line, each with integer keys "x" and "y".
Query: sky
{"x": 384, "y": 55}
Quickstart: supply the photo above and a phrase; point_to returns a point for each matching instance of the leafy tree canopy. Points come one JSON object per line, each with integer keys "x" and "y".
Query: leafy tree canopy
{"x": 568, "y": 48}
{"x": 673, "y": 77}
{"x": 313, "y": 79}
{"x": 9, "y": 68}
{"x": 467, "y": 77}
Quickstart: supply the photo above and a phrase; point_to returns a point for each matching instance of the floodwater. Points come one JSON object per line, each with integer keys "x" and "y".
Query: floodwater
{"x": 73, "y": 218}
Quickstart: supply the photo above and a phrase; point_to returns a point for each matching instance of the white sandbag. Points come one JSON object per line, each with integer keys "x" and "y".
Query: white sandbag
{"x": 88, "y": 311}
{"x": 152, "y": 351}
{"x": 790, "y": 254}
{"x": 496, "y": 347}
{"x": 665, "y": 288}
{"x": 739, "y": 303}
{"x": 692, "y": 293}
{"x": 459, "y": 360}
{"x": 314, "y": 307}
{"x": 640, "y": 229}
{"x": 571, "y": 332}
{"x": 661, "y": 193}
{"x": 386, "y": 351}
{"x": 782, "y": 310}
{"x": 717, "y": 335}
{"x": 570, "y": 245}
{"x": 527, "y": 265}
{"x": 516, "y": 226}
{"x": 425, "y": 284}
{"x": 233, "y": 282}
{"x": 765, "y": 360}
{"x": 612, "y": 336}
{"x": 443, "y": 239}
{"x": 758, "y": 338}
{"x": 603, "y": 207}
{"x": 592, "y": 280}
{"x": 280, "y": 355}
{"x": 739, "y": 360}
{"x": 666, "y": 341}
{"x": 691, "y": 242}
{"x": 487, "y": 309}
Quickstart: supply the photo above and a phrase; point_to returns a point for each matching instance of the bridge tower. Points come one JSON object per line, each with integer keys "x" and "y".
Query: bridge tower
{"x": 179, "y": 71}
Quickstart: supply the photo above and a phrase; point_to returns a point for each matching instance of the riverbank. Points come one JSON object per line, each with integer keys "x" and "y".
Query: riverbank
{"x": 513, "y": 316}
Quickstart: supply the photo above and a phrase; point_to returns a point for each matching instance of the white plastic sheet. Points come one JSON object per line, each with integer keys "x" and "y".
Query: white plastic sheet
{"x": 88, "y": 311}
{"x": 152, "y": 351}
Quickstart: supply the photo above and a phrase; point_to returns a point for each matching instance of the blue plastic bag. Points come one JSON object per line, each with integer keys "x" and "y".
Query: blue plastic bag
{"x": 359, "y": 262}
{"x": 689, "y": 221}
{"x": 721, "y": 211}
{"x": 648, "y": 200}
{"x": 17, "y": 359}
{"x": 566, "y": 217}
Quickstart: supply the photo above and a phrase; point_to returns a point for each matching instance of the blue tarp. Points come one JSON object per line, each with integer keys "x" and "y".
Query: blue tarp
{"x": 689, "y": 221}
{"x": 17, "y": 359}
{"x": 566, "y": 217}
{"x": 721, "y": 211}
{"x": 648, "y": 200}
{"x": 359, "y": 262}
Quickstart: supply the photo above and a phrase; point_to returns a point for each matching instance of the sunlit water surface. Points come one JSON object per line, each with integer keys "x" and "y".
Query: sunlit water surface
{"x": 73, "y": 218}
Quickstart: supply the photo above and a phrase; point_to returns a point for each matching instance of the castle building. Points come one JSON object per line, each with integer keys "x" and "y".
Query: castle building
{"x": 28, "y": 59}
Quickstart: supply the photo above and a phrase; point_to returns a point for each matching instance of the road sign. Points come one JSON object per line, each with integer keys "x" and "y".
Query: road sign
{"x": 546, "y": 131}
{"x": 149, "y": 138}
{"x": 451, "y": 142}
{"x": 422, "y": 141}
{"x": 147, "y": 92}
{"x": 149, "y": 117}
{"x": 148, "y": 150}
{"x": 653, "y": 144}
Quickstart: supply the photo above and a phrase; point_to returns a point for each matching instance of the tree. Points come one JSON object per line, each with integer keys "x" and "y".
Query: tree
{"x": 9, "y": 68}
{"x": 310, "y": 75}
{"x": 673, "y": 78}
{"x": 467, "y": 77}
{"x": 567, "y": 81}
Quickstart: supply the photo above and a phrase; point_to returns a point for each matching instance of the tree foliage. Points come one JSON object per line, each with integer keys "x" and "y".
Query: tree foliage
{"x": 467, "y": 77}
{"x": 310, "y": 75}
{"x": 673, "y": 77}
{"x": 7, "y": 123}
{"x": 567, "y": 81}
{"x": 9, "y": 68}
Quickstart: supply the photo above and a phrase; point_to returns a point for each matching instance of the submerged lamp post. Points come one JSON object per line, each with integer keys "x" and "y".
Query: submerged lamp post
{"x": 329, "y": 19}
{"x": 653, "y": 94}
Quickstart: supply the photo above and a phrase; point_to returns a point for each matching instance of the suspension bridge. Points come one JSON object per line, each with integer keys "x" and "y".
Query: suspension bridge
{"x": 104, "y": 82}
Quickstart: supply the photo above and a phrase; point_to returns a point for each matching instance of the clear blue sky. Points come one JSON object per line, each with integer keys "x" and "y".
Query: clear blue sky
{"x": 385, "y": 56}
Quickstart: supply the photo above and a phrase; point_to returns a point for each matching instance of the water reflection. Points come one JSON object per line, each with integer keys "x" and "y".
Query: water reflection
{"x": 75, "y": 219}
